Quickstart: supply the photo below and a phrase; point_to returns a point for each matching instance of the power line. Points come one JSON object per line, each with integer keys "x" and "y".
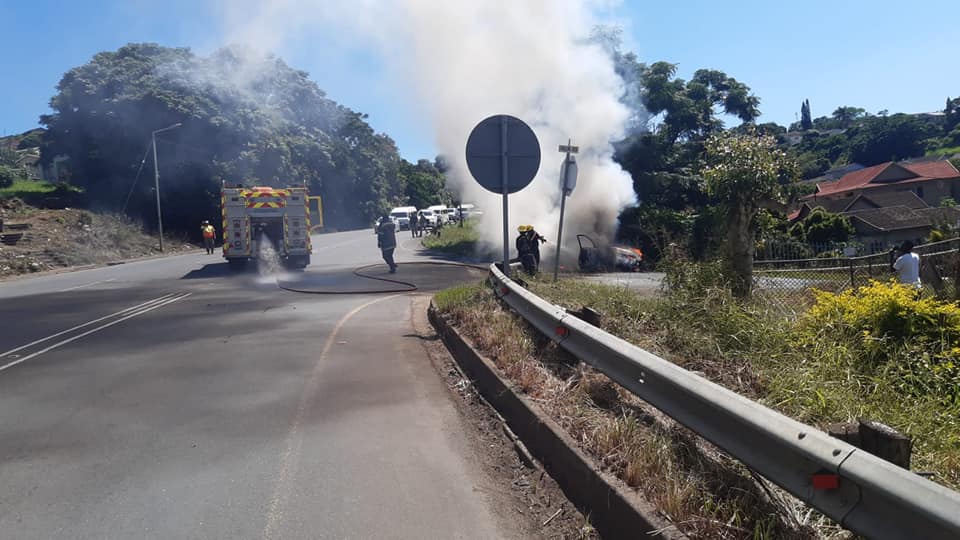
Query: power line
{"x": 134, "y": 184}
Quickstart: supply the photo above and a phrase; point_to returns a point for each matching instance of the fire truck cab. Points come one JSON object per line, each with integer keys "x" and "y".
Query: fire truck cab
{"x": 253, "y": 216}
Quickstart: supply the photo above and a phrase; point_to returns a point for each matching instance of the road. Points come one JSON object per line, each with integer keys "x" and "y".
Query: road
{"x": 169, "y": 398}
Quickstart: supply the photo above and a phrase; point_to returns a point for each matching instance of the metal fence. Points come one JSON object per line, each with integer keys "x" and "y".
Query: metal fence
{"x": 788, "y": 285}
{"x": 867, "y": 495}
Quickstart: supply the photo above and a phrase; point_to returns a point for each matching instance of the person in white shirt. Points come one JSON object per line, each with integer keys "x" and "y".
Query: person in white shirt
{"x": 907, "y": 266}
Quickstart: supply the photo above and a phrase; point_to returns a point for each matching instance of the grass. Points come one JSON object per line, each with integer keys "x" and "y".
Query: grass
{"x": 944, "y": 151}
{"x": 42, "y": 194}
{"x": 24, "y": 188}
{"x": 703, "y": 493}
{"x": 454, "y": 240}
{"x": 752, "y": 349}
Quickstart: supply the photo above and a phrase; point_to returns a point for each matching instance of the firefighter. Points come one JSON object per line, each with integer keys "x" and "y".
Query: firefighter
{"x": 387, "y": 241}
{"x": 209, "y": 234}
{"x": 528, "y": 248}
{"x": 413, "y": 224}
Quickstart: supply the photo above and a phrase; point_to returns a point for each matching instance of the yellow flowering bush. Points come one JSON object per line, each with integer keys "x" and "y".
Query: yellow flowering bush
{"x": 889, "y": 331}
{"x": 886, "y": 310}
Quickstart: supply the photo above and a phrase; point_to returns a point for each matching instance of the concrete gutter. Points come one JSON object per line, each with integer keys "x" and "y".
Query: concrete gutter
{"x": 614, "y": 509}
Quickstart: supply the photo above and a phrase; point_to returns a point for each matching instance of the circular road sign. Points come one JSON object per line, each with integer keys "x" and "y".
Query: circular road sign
{"x": 503, "y": 145}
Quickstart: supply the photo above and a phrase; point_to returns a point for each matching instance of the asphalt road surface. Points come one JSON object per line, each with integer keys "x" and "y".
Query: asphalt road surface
{"x": 171, "y": 398}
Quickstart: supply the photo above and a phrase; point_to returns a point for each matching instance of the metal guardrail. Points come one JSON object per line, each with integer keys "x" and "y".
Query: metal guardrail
{"x": 873, "y": 498}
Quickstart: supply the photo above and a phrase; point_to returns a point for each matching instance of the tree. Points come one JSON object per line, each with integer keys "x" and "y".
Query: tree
{"x": 30, "y": 139}
{"x": 8, "y": 175}
{"x": 847, "y": 115}
{"x": 806, "y": 122}
{"x": 246, "y": 118}
{"x": 822, "y": 227}
{"x": 952, "y": 111}
{"x": 424, "y": 183}
{"x": 745, "y": 173}
{"x": 691, "y": 108}
{"x": 891, "y": 138}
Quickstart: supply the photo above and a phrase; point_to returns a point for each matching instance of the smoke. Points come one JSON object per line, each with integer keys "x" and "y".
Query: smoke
{"x": 459, "y": 62}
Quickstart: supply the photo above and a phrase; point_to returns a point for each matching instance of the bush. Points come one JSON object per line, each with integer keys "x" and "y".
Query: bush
{"x": 8, "y": 176}
{"x": 890, "y": 332}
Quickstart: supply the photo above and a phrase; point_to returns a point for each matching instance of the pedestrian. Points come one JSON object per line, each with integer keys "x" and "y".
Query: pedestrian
{"x": 422, "y": 222}
{"x": 907, "y": 266}
{"x": 387, "y": 241}
{"x": 413, "y": 224}
{"x": 209, "y": 234}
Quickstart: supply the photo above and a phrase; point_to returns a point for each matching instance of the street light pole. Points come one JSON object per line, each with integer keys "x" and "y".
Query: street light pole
{"x": 156, "y": 179}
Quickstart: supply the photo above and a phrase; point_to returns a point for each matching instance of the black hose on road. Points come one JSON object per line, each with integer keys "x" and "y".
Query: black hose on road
{"x": 402, "y": 286}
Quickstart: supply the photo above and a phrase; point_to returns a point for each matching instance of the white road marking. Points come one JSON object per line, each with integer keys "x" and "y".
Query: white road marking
{"x": 291, "y": 453}
{"x": 79, "y": 326}
{"x": 87, "y": 285}
{"x": 131, "y": 313}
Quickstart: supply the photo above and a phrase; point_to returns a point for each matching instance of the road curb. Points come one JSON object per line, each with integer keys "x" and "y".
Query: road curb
{"x": 614, "y": 509}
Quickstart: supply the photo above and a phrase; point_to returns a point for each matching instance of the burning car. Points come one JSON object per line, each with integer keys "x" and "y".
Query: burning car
{"x": 610, "y": 257}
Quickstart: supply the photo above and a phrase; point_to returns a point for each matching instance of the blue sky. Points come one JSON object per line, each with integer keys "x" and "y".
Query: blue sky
{"x": 876, "y": 54}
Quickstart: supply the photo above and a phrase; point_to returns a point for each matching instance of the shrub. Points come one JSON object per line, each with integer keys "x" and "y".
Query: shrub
{"x": 891, "y": 333}
{"x": 8, "y": 176}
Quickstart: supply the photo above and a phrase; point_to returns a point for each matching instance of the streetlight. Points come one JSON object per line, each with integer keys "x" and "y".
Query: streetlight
{"x": 156, "y": 178}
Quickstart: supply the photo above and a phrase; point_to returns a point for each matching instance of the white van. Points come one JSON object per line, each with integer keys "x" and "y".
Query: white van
{"x": 440, "y": 211}
{"x": 401, "y": 215}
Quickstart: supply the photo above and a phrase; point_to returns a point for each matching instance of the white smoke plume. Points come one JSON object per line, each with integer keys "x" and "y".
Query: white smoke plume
{"x": 464, "y": 61}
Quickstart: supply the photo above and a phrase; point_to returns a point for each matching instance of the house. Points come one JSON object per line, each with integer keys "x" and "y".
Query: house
{"x": 861, "y": 202}
{"x": 930, "y": 181}
{"x": 883, "y": 219}
{"x": 878, "y": 229}
{"x": 29, "y": 161}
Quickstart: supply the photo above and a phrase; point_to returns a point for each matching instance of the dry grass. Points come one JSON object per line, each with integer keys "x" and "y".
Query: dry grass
{"x": 74, "y": 237}
{"x": 703, "y": 492}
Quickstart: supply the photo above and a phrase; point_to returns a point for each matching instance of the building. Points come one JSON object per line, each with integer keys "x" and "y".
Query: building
{"x": 879, "y": 229}
{"x": 930, "y": 181}
{"x": 883, "y": 218}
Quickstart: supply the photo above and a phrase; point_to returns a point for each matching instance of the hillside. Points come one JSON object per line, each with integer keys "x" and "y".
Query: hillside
{"x": 37, "y": 240}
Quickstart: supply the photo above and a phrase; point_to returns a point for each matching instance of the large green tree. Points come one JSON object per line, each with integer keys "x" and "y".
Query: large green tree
{"x": 745, "y": 173}
{"x": 245, "y": 118}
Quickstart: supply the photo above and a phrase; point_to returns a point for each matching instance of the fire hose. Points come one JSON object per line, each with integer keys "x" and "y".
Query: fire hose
{"x": 401, "y": 286}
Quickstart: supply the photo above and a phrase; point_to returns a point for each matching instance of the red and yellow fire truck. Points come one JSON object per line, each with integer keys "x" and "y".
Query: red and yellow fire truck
{"x": 255, "y": 216}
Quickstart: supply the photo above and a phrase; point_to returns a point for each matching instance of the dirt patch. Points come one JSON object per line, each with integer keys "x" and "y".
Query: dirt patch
{"x": 530, "y": 496}
{"x": 38, "y": 240}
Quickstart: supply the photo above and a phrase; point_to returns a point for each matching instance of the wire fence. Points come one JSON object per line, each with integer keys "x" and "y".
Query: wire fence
{"x": 787, "y": 286}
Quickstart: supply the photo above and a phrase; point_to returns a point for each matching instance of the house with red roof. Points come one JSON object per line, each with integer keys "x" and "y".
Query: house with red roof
{"x": 890, "y": 202}
{"x": 931, "y": 181}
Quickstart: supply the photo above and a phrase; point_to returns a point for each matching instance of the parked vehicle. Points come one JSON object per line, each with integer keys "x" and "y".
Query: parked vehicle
{"x": 439, "y": 213}
{"x": 429, "y": 218}
{"x": 401, "y": 215}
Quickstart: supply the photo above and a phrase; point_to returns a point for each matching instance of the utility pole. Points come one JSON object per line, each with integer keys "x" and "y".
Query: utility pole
{"x": 568, "y": 181}
{"x": 156, "y": 179}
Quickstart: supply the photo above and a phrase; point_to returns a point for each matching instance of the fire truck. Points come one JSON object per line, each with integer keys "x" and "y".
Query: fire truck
{"x": 258, "y": 215}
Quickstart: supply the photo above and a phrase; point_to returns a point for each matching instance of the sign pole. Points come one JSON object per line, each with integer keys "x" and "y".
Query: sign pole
{"x": 503, "y": 155}
{"x": 556, "y": 262}
{"x": 568, "y": 178}
{"x": 504, "y": 179}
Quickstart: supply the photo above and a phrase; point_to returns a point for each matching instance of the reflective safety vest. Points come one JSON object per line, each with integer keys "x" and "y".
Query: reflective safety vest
{"x": 208, "y": 231}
